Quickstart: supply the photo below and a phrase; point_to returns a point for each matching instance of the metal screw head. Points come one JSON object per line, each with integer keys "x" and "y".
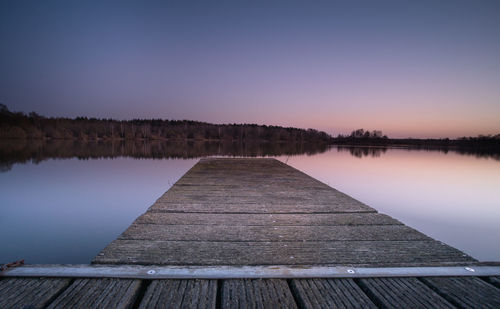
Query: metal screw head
{"x": 351, "y": 271}
{"x": 151, "y": 272}
{"x": 470, "y": 269}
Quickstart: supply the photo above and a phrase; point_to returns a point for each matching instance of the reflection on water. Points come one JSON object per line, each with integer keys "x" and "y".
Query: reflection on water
{"x": 360, "y": 152}
{"x": 66, "y": 211}
{"x": 377, "y": 151}
{"x": 22, "y": 151}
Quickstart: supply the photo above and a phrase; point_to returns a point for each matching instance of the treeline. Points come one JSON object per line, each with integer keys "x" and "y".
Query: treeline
{"x": 363, "y": 134}
{"x": 17, "y": 125}
{"x": 362, "y": 137}
{"x": 480, "y": 144}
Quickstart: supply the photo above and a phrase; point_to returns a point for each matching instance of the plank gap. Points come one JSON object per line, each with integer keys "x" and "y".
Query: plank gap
{"x": 140, "y": 293}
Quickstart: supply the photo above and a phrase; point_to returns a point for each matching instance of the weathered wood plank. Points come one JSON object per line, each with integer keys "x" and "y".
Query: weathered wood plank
{"x": 428, "y": 292}
{"x": 243, "y": 188}
{"x": 329, "y": 293}
{"x": 282, "y": 186}
{"x": 30, "y": 293}
{"x": 256, "y": 293}
{"x": 466, "y": 292}
{"x": 402, "y": 293}
{"x": 180, "y": 294}
{"x": 260, "y": 196}
{"x": 266, "y": 219}
{"x": 154, "y": 232}
{"x": 378, "y": 253}
{"x": 98, "y": 293}
{"x": 266, "y": 208}
{"x": 495, "y": 281}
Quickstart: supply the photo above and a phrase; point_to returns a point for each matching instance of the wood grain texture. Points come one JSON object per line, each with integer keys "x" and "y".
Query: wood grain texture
{"x": 257, "y": 208}
{"x": 495, "y": 281}
{"x": 264, "y": 212}
{"x": 329, "y": 293}
{"x": 98, "y": 293}
{"x": 327, "y": 219}
{"x": 154, "y": 232}
{"x": 254, "y": 186}
{"x": 187, "y": 294}
{"x": 427, "y": 292}
{"x": 256, "y": 293}
{"x": 402, "y": 293}
{"x": 382, "y": 253}
{"x": 30, "y": 293}
{"x": 466, "y": 292}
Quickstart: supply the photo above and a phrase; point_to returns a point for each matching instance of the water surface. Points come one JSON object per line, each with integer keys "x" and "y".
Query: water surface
{"x": 67, "y": 210}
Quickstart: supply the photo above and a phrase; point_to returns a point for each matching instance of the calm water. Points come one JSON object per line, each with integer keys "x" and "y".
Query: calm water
{"x": 67, "y": 210}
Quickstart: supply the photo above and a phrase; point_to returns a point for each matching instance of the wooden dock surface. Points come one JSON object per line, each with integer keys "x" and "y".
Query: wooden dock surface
{"x": 241, "y": 212}
{"x": 264, "y": 212}
{"x": 428, "y": 292}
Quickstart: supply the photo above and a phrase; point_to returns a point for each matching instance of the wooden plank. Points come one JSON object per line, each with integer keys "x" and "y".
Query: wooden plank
{"x": 98, "y": 293}
{"x": 329, "y": 293}
{"x": 154, "y": 232}
{"x": 180, "y": 294}
{"x": 266, "y": 208}
{"x": 495, "y": 281}
{"x": 402, "y": 293}
{"x": 273, "y": 179}
{"x": 377, "y": 253}
{"x": 266, "y": 219}
{"x": 256, "y": 293}
{"x": 243, "y": 187}
{"x": 30, "y": 293}
{"x": 466, "y": 292}
{"x": 258, "y": 195}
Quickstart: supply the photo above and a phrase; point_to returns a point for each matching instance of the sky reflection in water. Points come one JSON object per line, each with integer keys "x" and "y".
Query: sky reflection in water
{"x": 66, "y": 211}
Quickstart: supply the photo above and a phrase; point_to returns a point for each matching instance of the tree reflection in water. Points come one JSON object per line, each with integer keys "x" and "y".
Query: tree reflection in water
{"x": 23, "y": 151}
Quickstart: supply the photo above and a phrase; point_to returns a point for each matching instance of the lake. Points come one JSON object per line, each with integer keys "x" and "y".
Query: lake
{"x": 64, "y": 202}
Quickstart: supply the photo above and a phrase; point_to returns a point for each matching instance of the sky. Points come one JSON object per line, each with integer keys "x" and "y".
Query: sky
{"x": 408, "y": 68}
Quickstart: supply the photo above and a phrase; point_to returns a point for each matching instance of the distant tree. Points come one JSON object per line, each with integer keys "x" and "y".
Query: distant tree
{"x": 361, "y": 133}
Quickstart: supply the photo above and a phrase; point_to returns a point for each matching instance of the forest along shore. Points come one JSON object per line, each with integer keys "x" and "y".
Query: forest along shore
{"x": 25, "y": 135}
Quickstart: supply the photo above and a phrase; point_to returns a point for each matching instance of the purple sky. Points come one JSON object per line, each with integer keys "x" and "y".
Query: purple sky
{"x": 409, "y": 68}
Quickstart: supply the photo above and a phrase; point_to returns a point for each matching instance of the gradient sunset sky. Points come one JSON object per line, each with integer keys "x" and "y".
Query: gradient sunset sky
{"x": 408, "y": 68}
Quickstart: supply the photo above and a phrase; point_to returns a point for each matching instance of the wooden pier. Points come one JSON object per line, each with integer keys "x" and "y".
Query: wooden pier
{"x": 264, "y": 212}
{"x": 228, "y": 222}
